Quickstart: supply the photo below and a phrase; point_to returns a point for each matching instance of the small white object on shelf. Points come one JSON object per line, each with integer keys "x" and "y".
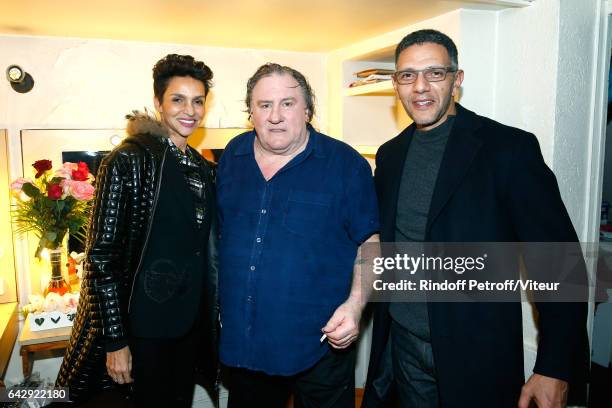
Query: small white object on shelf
{"x": 50, "y": 320}
{"x": 52, "y": 311}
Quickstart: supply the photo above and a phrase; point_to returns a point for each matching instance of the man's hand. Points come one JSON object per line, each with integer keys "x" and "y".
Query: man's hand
{"x": 119, "y": 365}
{"x": 546, "y": 392}
{"x": 343, "y": 327}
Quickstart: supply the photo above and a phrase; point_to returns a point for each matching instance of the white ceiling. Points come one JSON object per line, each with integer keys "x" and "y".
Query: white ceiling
{"x": 299, "y": 25}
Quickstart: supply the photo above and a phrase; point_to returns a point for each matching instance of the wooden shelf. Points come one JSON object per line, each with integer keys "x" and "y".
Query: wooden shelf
{"x": 9, "y": 327}
{"x": 379, "y": 88}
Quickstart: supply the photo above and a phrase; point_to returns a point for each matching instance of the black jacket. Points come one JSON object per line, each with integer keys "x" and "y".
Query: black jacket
{"x": 493, "y": 186}
{"x": 127, "y": 187}
{"x": 170, "y": 279}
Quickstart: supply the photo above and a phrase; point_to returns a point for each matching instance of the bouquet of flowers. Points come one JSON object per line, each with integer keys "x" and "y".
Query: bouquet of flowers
{"x": 53, "y": 203}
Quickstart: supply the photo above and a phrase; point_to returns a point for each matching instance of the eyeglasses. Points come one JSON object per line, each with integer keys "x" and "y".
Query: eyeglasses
{"x": 409, "y": 76}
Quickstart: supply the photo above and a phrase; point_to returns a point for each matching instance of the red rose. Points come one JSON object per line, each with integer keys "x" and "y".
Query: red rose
{"x": 81, "y": 173}
{"x": 41, "y": 166}
{"x": 54, "y": 191}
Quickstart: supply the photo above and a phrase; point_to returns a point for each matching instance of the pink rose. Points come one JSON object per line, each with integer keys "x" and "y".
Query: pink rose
{"x": 17, "y": 185}
{"x": 66, "y": 170}
{"x": 81, "y": 190}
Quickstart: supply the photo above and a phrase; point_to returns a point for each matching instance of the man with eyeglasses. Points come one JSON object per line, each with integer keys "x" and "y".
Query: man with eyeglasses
{"x": 455, "y": 176}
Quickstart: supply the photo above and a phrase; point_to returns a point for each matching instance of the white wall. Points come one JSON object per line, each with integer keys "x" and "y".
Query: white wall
{"x": 476, "y": 45}
{"x": 94, "y": 83}
{"x": 574, "y": 107}
{"x": 527, "y": 70}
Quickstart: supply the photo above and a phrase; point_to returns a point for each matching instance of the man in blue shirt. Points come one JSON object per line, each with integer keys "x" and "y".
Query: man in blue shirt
{"x": 295, "y": 205}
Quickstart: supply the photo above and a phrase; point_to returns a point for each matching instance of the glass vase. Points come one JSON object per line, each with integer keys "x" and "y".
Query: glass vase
{"x": 57, "y": 283}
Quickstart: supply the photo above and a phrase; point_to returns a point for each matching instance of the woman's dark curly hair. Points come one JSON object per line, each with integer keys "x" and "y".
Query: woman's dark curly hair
{"x": 173, "y": 65}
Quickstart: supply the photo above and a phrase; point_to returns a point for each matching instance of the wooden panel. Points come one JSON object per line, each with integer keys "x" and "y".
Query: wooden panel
{"x": 9, "y": 327}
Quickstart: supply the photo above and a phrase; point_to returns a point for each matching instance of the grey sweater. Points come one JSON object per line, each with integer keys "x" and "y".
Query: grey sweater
{"x": 416, "y": 189}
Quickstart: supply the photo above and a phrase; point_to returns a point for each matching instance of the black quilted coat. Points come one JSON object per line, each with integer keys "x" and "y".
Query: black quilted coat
{"x": 126, "y": 190}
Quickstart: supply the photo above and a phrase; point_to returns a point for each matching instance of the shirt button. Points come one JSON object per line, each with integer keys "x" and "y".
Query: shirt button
{"x": 258, "y": 239}
{"x": 252, "y": 267}
{"x": 198, "y": 253}
{"x": 249, "y": 298}
{"x": 263, "y": 211}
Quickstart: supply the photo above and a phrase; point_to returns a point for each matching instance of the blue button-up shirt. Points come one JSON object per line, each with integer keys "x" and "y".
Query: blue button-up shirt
{"x": 287, "y": 249}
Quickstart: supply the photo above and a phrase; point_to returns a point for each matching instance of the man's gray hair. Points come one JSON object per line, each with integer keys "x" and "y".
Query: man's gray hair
{"x": 271, "y": 68}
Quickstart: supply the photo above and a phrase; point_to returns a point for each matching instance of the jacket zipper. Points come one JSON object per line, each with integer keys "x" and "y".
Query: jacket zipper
{"x": 149, "y": 228}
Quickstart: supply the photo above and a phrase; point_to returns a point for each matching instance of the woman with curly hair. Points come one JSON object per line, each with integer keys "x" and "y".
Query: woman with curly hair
{"x": 148, "y": 303}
